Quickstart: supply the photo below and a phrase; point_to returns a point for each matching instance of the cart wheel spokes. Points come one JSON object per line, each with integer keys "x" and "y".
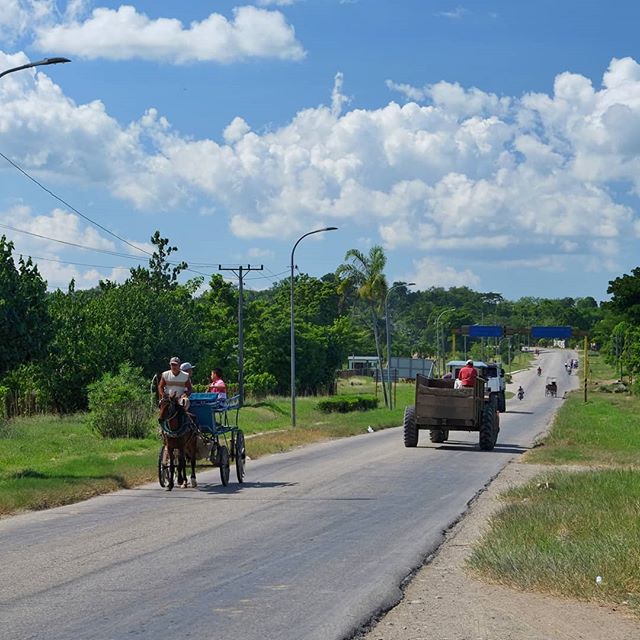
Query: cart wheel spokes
{"x": 240, "y": 456}
{"x": 223, "y": 461}
{"x": 163, "y": 468}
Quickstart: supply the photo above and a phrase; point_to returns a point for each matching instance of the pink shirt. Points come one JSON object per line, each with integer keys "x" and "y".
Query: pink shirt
{"x": 218, "y": 387}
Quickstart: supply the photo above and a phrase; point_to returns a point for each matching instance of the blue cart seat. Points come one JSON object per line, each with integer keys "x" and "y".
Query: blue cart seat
{"x": 209, "y": 409}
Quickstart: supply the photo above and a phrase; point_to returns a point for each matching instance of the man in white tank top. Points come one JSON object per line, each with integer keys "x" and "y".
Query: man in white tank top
{"x": 176, "y": 382}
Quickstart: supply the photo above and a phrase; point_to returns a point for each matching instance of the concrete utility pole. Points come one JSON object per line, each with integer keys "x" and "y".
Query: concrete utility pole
{"x": 388, "y": 331}
{"x": 240, "y": 272}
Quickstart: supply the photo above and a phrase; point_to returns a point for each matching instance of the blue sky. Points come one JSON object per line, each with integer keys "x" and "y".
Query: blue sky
{"x": 493, "y": 144}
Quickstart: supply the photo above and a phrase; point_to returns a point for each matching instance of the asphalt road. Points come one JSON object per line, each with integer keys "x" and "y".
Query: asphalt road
{"x": 311, "y": 546}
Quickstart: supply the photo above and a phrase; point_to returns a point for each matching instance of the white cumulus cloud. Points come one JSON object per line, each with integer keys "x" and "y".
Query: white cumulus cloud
{"x": 531, "y": 177}
{"x": 428, "y": 272}
{"x": 124, "y": 33}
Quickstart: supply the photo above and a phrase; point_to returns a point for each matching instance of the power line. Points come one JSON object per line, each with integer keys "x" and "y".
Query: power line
{"x": 103, "y": 228}
{"x": 78, "y": 264}
{"x": 71, "y": 244}
{"x": 80, "y": 246}
{"x": 271, "y": 277}
{"x": 64, "y": 202}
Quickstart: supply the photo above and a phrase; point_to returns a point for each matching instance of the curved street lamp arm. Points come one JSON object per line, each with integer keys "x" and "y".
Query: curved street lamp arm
{"x": 39, "y": 63}
{"x": 293, "y": 331}
{"x": 310, "y": 233}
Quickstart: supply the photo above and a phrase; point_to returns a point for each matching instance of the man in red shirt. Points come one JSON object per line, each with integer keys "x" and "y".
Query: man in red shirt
{"x": 468, "y": 375}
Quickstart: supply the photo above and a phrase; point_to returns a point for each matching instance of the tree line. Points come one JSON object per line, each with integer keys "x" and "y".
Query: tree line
{"x": 53, "y": 345}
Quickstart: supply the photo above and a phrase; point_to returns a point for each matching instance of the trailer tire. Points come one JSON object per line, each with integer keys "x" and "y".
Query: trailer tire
{"x": 439, "y": 435}
{"x": 489, "y": 427}
{"x": 410, "y": 427}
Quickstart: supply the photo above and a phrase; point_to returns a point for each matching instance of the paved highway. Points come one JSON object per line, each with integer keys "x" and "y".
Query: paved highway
{"x": 310, "y": 547}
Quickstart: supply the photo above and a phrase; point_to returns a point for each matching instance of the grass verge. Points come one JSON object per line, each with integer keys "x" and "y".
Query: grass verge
{"x": 48, "y": 461}
{"x": 565, "y": 528}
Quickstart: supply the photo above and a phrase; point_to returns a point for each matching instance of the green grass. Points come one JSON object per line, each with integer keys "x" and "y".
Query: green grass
{"x": 47, "y": 461}
{"x": 603, "y": 431}
{"x": 559, "y": 533}
{"x": 565, "y": 528}
{"x": 522, "y": 360}
{"x": 599, "y": 370}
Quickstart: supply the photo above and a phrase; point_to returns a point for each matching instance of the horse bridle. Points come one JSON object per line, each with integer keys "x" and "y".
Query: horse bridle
{"x": 164, "y": 422}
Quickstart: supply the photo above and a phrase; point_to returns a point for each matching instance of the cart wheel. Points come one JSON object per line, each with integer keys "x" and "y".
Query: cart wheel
{"x": 240, "y": 456}
{"x": 214, "y": 454}
{"x": 163, "y": 468}
{"x": 223, "y": 461}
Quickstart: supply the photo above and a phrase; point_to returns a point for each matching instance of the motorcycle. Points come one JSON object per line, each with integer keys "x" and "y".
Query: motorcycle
{"x": 539, "y": 371}
{"x": 520, "y": 394}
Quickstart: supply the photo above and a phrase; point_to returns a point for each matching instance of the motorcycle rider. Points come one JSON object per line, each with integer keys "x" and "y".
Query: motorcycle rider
{"x": 520, "y": 392}
{"x": 539, "y": 371}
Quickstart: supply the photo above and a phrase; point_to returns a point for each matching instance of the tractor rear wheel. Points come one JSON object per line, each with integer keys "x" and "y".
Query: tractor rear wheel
{"x": 410, "y": 427}
{"x": 488, "y": 426}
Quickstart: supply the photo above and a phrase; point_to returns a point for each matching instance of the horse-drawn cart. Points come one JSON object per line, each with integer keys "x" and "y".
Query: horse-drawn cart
{"x": 551, "y": 389}
{"x": 219, "y": 439}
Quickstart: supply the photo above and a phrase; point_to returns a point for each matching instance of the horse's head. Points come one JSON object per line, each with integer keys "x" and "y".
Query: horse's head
{"x": 169, "y": 408}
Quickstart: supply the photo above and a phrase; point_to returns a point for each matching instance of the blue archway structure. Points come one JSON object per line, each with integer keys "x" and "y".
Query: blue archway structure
{"x": 536, "y": 332}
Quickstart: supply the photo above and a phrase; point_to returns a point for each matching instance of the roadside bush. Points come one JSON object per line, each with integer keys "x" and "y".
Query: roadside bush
{"x": 260, "y": 385}
{"x": 119, "y": 404}
{"x": 345, "y": 404}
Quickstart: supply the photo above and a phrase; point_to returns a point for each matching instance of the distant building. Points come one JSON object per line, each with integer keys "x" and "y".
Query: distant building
{"x": 408, "y": 368}
{"x": 362, "y": 363}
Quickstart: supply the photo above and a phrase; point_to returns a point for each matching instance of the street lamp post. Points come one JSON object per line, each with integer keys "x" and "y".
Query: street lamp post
{"x": 293, "y": 331}
{"x": 39, "y": 63}
{"x": 386, "y": 319}
{"x": 438, "y": 342}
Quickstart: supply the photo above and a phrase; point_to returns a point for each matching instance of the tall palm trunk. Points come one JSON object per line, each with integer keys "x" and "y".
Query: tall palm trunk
{"x": 376, "y": 335}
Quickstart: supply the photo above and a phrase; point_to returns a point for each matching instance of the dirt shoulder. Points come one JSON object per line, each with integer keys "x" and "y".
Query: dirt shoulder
{"x": 444, "y": 602}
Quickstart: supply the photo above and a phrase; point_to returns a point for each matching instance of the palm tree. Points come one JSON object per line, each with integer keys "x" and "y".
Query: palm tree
{"x": 364, "y": 275}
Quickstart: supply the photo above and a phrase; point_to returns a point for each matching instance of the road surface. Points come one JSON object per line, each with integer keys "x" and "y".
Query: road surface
{"x": 311, "y": 546}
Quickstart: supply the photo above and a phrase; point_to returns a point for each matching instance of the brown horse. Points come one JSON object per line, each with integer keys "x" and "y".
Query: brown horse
{"x": 178, "y": 432}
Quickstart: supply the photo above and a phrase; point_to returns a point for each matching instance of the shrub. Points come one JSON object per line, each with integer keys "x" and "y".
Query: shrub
{"x": 260, "y": 385}
{"x": 345, "y": 404}
{"x": 119, "y": 404}
{"x": 22, "y": 392}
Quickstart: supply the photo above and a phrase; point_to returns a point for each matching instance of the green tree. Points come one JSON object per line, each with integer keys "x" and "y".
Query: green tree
{"x": 25, "y": 328}
{"x": 322, "y": 335}
{"x": 217, "y": 313}
{"x": 625, "y": 295}
{"x": 161, "y": 274}
{"x": 364, "y": 274}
